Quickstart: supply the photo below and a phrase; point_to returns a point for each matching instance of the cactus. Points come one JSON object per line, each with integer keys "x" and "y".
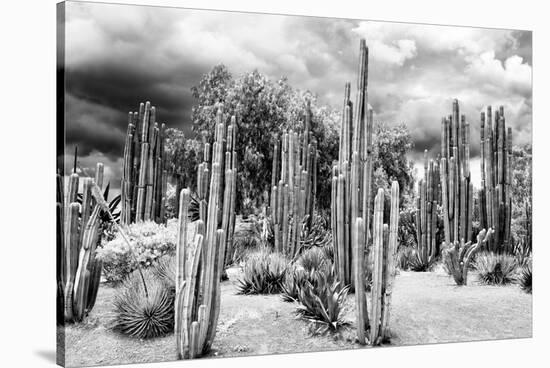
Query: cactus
{"x": 384, "y": 261}
{"x": 495, "y": 195}
{"x": 352, "y": 174}
{"x": 456, "y": 186}
{"x": 78, "y": 235}
{"x": 293, "y": 188}
{"x": 200, "y": 264}
{"x": 144, "y": 178}
{"x": 458, "y": 255}
{"x": 427, "y": 202}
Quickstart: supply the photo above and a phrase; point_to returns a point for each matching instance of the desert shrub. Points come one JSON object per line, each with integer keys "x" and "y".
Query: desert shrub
{"x": 306, "y": 268}
{"x": 140, "y": 314}
{"x": 242, "y": 246}
{"x": 149, "y": 241}
{"x": 318, "y": 234}
{"x": 526, "y": 278}
{"x": 496, "y": 269}
{"x": 264, "y": 273}
{"x": 418, "y": 265}
{"x": 313, "y": 259}
{"x": 405, "y": 256}
{"x": 164, "y": 270}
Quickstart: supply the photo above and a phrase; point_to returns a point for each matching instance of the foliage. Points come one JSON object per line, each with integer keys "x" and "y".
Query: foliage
{"x": 317, "y": 235}
{"x": 391, "y": 146}
{"x": 322, "y": 300}
{"x": 242, "y": 246}
{"x": 164, "y": 270}
{"x": 496, "y": 269}
{"x": 526, "y": 278}
{"x": 149, "y": 241}
{"x": 264, "y": 273}
{"x": 140, "y": 315}
{"x": 405, "y": 257}
{"x": 522, "y": 167}
{"x": 266, "y": 108}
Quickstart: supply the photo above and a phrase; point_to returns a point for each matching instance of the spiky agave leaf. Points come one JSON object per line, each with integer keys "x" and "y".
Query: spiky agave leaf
{"x": 264, "y": 273}
{"x": 140, "y": 315}
{"x": 496, "y": 269}
{"x": 526, "y": 278}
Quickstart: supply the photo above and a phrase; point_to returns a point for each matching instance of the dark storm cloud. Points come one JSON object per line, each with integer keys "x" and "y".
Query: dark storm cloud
{"x": 118, "y": 56}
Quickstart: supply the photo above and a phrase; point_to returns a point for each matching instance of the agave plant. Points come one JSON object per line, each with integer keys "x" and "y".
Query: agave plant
{"x": 496, "y": 269}
{"x": 144, "y": 313}
{"x": 318, "y": 234}
{"x": 264, "y": 273}
{"x": 113, "y": 214}
{"x": 322, "y": 301}
{"x": 526, "y": 278}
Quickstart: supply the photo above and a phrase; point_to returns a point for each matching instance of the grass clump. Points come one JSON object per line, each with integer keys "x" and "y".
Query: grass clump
{"x": 526, "y": 278}
{"x": 496, "y": 269}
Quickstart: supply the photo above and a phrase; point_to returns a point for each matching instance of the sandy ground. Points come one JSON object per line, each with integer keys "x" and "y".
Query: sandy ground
{"x": 427, "y": 308}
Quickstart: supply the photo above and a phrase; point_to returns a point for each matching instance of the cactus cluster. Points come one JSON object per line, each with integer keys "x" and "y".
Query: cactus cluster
{"x": 384, "y": 248}
{"x": 77, "y": 237}
{"x": 352, "y": 174}
{"x": 458, "y": 255}
{"x": 200, "y": 261}
{"x": 143, "y": 187}
{"x": 293, "y": 186}
{"x": 427, "y": 201}
{"x": 456, "y": 187}
{"x": 495, "y": 195}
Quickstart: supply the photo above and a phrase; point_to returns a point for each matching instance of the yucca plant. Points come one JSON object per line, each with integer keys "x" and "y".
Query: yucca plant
{"x": 264, "y": 273}
{"x": 526, "y": 278}
{"x": 144, "y": 313}
{"x": 165, "y": 271}
{"x": 496, "y": 269}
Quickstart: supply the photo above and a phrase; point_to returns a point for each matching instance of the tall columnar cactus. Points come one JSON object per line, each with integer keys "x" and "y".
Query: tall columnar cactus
{"x": 428, "y": 199}
{"x": 293, "y": 186}
{"x": 78, "y": 235}
{"x": 352, "y": 174}
{"x": 456, "y": 186}
{"x": 495, "y": 195}
{"x": 384, "y": 259}
{"x": 200, "y": 258}
{"x": 143, "y": 187}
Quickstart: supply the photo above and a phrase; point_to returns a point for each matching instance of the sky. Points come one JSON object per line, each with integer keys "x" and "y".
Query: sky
{"x": 117, "y": 56}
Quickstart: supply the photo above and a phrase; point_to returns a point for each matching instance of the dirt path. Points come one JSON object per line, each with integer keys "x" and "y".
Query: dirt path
{"x": 427, "y": 308}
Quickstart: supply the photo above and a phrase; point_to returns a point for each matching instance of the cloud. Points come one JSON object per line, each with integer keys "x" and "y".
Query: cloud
{"x": 119, "y": 55}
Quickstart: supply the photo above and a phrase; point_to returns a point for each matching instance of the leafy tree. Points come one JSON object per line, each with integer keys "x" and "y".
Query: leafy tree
{"x": 522, "y": 176}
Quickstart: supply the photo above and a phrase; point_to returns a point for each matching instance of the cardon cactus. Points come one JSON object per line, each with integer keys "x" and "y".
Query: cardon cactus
{"x": 144, "y": 178}
{"x": 384, "y": 265}
{"x": 427, "y": 201}
{"x": 293, "y": 186}
{"x": 352, "y": 174}
{"x": 456, "y": 186}
{"x": 458, "y": 255}
{"x": 495, "y": 195}
{"x": 79, "y": 271}
{"x": 200, "y": 259}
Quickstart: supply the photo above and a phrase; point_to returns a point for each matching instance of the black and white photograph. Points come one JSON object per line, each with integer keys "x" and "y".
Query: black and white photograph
{"x": 283, "y": 183}
{"x": 234, "y": 184}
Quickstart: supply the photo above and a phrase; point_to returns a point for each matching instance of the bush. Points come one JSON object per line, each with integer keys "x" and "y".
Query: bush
{"x": 149, "y": 241}
{"x": 496, "y": 269}
{"x": 242, "y": 246}
{"x": 304, "y": 269}
{"x": 405, "y": 257}
{"x": 264, "y": 273}
{"x": 313, "y": 259}
{"x": 142, "y": 316}
{"x": 526, "y": 278}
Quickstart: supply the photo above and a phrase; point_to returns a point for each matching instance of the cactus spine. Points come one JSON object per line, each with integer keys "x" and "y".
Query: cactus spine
{"x": 456, "y": 186}
{"x": 78, "y": 236}
{"x": 352, "y": 174}
{"x": 293, "y": 188}
{"x": 143, "y": 187}
{"x": 200, "y": 262}
{"x": 427, "y": 201}
{"x": 496, "y": 179}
